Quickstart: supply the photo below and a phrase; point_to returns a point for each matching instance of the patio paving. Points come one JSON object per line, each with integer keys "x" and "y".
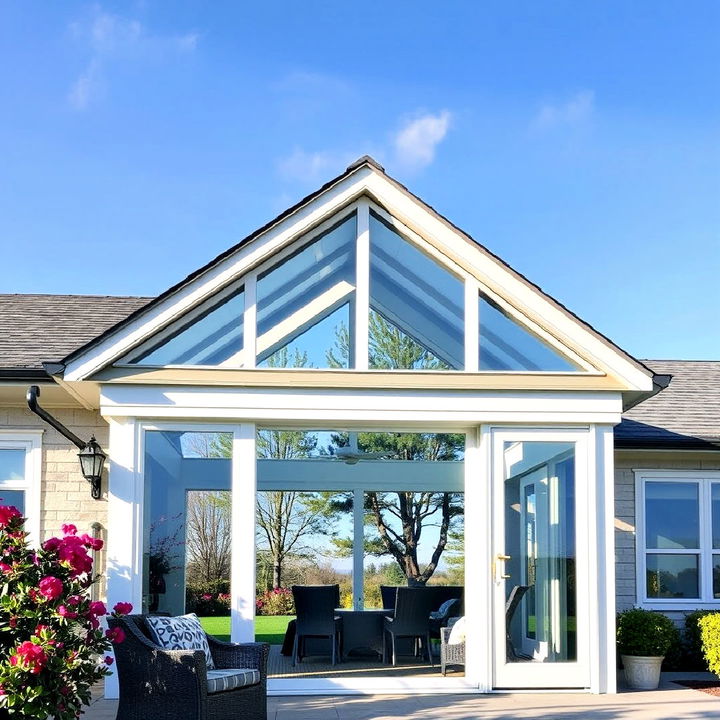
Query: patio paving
{"x": 670, "y": 702}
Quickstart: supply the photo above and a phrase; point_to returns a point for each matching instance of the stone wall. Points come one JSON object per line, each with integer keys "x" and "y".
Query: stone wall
{"x": 65, "y": 494}
{"x": 625, "y": 462}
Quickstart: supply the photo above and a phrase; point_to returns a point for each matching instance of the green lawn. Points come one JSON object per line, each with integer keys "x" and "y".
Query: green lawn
{"x": 268, "y": 628}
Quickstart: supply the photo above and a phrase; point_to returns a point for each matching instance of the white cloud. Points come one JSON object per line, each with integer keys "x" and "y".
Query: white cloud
{"x": 112, "y": 38}
{"x": 302, "y": 165}
{"x": 85, "y": 87}
{"x": 578, "y": 109}
{"x": 416, "y": 142}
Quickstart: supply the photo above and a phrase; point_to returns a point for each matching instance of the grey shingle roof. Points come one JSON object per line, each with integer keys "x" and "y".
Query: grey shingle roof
{"x": 37, "y": 328}
{"x": 685, "y": 414}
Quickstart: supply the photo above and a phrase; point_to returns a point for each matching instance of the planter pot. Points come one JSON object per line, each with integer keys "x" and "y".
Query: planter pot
{"x": 642, "y": 673}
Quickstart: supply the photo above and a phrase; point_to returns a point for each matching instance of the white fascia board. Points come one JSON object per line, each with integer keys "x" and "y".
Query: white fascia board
{"x": 308, "y": 407}
{"x": 499, "y": 278}
{"x": 231, "y": 268}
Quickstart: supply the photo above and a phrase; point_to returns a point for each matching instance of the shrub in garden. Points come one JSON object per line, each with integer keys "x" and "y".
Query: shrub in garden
{"x": 52, "y": 647}
{"x": 278, "y": 601}
{"x": 710, "y": 635}
{"x": 209, "y": 598}
{"x": 692, "y": 657}
{"x": 645, "y": 633}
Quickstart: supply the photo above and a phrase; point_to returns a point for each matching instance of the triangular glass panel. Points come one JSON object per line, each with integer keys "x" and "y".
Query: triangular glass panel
{"x": 324, "y": 344}
{"x": 414, "y": 296}
{"x": 297, "y": 298}
{"x": 392, "y": 349}
{"x": 507, "y": 346}
{"x": 210, "y": 338}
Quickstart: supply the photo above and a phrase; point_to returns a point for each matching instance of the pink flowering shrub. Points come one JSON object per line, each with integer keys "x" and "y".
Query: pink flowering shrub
{"x": 52, "y": 648}
{"x": 278, "y": 601}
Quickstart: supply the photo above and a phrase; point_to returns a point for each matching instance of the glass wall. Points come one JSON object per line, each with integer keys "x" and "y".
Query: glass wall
{"x": 187, "y": 530}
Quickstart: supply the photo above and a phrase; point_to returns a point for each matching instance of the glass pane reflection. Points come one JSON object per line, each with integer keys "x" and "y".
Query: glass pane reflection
{"x": 672, "y": 516}
{"x": 672, "y": 576}
{"x": 414, "y": 296}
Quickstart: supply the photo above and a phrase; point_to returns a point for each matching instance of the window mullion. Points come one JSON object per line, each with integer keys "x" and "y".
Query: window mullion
{"x": 250, "y": 322}
{"x": 705, "y": 541}
{"x": 472, "y": 326}
{"x": 362, "y": 286}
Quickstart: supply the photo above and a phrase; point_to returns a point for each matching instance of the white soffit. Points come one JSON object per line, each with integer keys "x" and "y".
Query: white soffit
{"x": 409, "y": 210}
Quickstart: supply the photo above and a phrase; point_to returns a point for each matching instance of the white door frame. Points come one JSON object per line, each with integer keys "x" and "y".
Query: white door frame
{"x": 595, "y": 669}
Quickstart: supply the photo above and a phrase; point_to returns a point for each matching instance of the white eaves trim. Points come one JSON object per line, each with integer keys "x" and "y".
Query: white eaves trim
{"x": 322, "y": 209}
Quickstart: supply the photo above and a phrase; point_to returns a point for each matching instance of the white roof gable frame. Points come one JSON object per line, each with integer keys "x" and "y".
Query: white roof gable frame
{"x": 413, "y": 219}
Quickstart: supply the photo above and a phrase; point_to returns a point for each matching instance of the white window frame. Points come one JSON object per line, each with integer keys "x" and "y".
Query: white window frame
{"x": 30, "y": 441}
{"x": 704, "y": 479}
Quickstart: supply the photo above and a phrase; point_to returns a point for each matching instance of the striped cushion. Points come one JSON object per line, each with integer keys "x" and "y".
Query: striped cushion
{"x": 180, "y": 633}
{"x": 219, "y": 680}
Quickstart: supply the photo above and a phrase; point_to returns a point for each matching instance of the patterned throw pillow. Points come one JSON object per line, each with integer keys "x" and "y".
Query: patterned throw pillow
{"x": 183, "y": 632}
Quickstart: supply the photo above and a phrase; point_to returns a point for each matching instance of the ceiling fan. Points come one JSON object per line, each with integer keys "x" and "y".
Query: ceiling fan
{"x": 350, "y": 454}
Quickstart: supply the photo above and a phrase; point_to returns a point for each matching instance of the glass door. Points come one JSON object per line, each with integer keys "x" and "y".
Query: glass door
{"x": 539, "y": 569}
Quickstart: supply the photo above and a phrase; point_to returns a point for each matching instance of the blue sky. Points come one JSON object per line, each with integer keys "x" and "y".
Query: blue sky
{"x": 578, "y": 141}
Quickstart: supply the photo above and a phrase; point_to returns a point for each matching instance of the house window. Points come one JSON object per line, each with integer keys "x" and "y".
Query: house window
{"x": 678, "y": 534}
{"x": 20, "y": 476}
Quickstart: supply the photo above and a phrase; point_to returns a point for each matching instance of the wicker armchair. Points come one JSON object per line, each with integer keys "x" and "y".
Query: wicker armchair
{"x": 450, "y": 654}
{"x": 159, "y": 684}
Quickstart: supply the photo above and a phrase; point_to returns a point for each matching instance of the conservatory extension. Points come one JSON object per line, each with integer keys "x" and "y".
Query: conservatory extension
{"x": 359, "y": 396}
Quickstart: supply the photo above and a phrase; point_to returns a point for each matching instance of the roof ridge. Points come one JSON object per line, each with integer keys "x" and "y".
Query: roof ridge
{"x": 75, "y": 295}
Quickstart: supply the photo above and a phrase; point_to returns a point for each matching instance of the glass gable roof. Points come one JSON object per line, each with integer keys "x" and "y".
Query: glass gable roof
{"x": 306, "y": 310}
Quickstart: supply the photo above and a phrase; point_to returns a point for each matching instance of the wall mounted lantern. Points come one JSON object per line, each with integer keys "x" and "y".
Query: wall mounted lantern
{"x": 92, "y": 458}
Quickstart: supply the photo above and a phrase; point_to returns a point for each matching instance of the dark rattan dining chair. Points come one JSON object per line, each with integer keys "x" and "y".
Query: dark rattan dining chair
{"x": 411, "y": 620}
{"x": 315, "y": 618}
{"x": 159, "y": 684}
{"x": 388, "y": 593}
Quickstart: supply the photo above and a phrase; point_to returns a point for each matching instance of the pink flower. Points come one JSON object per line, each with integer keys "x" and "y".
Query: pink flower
{"x": 50, "y": 587}
{"x": 69, "y": 529}
{"x": 108, "y": 660}
{"x": 5, "y": 567}
{"x": 73, "y": 600}
{"x": 94, "y": 624}
{"x": 206, "y": 596}
{"x": 97, "y": 608}
{"x": 29, "y": 656}
{"x": 64, "y": 612}
{"x": 51, "y": 544}
{"x": 91, "y": 542}
{"x": 115, "y": 635}
{"x": 123, "y": 608}
{"x": 7, "y": 514}
{"x": 72, "y": 551}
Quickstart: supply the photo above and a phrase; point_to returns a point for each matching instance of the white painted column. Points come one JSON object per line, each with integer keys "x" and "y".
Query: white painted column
{"x": 362, "y": 288}
{"x": 242, "y": 579}
{"x": 605, "y": 679}
{"x": 478, "y": 605}
{"x": 124, "y": 526}
{"x": 358, "y": 576}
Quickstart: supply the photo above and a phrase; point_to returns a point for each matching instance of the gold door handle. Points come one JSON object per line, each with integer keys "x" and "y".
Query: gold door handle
{"x": 499, "y": 576}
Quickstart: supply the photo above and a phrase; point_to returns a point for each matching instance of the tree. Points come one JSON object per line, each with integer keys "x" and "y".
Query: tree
{"x": 389, "y": 348}
{"x": 209, "y": 535}
{"x": 399, "y": 518}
